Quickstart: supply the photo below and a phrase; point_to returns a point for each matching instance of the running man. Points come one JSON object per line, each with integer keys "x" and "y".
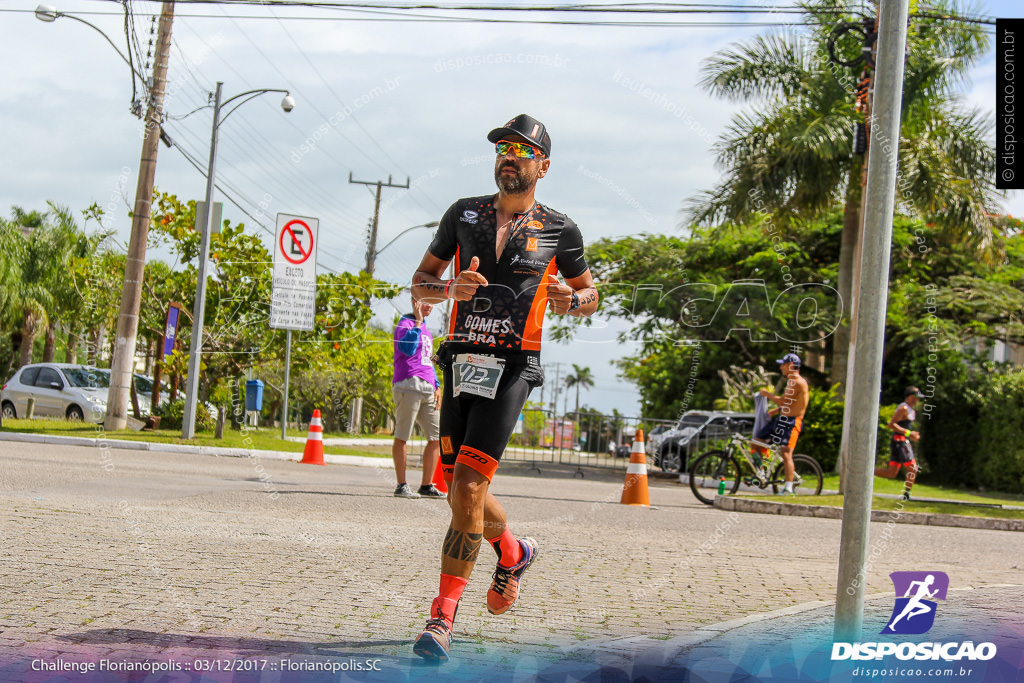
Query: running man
{"x": 788, "y": 418}
{"x": 914, "y": 606}
{"x": 901, "y": 453}
{"x": 507, "y": 249}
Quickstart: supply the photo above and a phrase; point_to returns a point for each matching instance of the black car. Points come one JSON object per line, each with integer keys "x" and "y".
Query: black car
{"x": 695, "y": 429}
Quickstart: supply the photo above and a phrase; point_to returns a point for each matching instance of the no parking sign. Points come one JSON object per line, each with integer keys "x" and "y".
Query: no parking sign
{"x": 293, "y": 296}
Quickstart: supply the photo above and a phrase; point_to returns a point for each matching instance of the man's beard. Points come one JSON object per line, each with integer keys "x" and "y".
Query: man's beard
{"x": 519, "y": 183}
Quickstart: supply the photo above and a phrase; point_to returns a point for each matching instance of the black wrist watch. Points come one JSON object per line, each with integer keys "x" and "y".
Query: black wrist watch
{"x": 575, "y": 302}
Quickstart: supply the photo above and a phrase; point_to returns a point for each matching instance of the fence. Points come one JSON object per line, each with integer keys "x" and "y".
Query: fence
{"x": 603, "y": 441}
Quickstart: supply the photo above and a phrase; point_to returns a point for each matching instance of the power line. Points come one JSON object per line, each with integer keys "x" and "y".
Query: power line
{"x": 244, "y": 118}
{"x": 234, "y": 143}
{"x": 386, "y": 17}
{"x": 352, "y": 115}
{"x": 655, "y": 8}
{"x": 289, "y": 170}
{"x": 223, "y": 186}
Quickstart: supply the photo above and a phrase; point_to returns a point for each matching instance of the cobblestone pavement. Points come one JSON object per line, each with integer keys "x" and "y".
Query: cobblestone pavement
{"x": 142, "y": 555}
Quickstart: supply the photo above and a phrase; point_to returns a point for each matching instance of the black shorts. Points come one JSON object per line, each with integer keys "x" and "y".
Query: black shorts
{"x": 901, "y": 452}
{"x": 475, "y": 430}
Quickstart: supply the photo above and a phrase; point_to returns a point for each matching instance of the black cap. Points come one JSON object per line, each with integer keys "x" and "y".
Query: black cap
{"x": 790, "y": 358}
{"x": 527, "y": 127}
{"x": 912, "y": 391}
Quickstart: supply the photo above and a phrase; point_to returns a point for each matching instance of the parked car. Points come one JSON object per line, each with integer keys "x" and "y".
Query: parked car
{"x": 655, "y": 437}
{"x": 144, "y": 390}
{"x": 694, "y": 427}
{"x": 64, "y": 390}
{"x": 61, "y": 390}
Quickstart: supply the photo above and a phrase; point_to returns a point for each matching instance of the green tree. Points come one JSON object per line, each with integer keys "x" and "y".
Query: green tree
{"x": 10, "y": 294}
{"x": 73, "y": 255}
{"x": 940, "y": 297}
{"x": 717, "y": 299}
{"x": 339, "y": 358}
{"x": 791, "y": 153}
{"x": 34, "y": 248}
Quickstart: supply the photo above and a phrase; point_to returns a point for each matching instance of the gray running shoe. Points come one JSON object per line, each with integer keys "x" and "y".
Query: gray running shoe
{"x": 403, "y": 491}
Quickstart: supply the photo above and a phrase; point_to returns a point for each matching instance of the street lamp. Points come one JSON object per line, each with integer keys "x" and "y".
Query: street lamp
{"x": 188, "y": 422}
{"x": 50, "y": 14}
{"x": 431, "y": 224}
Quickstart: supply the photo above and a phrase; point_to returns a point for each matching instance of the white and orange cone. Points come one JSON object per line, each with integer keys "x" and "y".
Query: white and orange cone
{"x": 313, "y": 454}
{"x": 634, "y": 490}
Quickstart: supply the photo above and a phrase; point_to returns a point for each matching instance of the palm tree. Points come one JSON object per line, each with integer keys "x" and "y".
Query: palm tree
{"x": 30, "y": 242}
{"x": 10, "y": 293}
{"x": 791, "y": 155}
{"x": 580, "y": 377}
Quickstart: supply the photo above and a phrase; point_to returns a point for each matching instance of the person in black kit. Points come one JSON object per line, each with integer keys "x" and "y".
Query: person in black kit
{"x": 507, "y": 248}
{"x": 901, "y": 452}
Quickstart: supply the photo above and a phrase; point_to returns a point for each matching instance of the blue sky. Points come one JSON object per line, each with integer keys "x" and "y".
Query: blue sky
{"x": 377, "y": 99}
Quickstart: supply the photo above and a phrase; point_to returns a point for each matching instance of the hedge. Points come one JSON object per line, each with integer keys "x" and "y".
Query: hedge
{"x": 973, "y": 431}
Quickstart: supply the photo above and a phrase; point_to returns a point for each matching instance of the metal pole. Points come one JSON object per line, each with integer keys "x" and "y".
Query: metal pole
{"x": 123, "y": 362}
{"x": 188, "y": 420}
{"x": 287, "y": 371}
{"x": 865, "y": 373}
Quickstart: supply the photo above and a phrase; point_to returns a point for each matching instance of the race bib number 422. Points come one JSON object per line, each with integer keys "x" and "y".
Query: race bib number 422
{"x": 476, "y": 374}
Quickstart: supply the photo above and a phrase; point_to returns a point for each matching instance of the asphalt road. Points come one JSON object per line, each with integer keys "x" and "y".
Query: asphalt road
{"x": 126, "y": 553}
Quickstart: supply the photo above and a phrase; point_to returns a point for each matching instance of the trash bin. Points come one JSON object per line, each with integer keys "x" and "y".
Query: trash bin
{"x": 254, "y": 395}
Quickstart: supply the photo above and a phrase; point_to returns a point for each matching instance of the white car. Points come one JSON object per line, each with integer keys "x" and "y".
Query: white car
{"x": 65, "y": 390}
{"x": 61, "y": 390}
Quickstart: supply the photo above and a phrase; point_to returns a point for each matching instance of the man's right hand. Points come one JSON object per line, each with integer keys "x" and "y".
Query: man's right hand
{"x": 463, "y": 288}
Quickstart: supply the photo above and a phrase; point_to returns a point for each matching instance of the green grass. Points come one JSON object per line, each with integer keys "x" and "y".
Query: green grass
{"x": 925, "y": 490}
{"x": 263, "y": 439}
{"x": 904, "y": 506}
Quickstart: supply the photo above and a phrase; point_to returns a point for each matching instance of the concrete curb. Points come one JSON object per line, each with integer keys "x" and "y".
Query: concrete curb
{"x": 740, "y": 504}
{"x": 353, "y": 460}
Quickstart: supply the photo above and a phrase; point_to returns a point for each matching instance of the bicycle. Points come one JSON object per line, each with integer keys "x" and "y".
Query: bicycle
{"x": 712, "y": 467}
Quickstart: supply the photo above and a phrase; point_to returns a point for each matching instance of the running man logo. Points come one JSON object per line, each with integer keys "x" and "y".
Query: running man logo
{"x": 913, "y": 612}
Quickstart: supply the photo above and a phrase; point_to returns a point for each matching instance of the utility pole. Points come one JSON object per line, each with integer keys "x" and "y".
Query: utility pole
{"x": 864, "y": 376}
{"x": 371, "y": 249}
{"x": 356, "y": 412}
{"x": 556, "y": 389}
{"x": 122, "y": 365}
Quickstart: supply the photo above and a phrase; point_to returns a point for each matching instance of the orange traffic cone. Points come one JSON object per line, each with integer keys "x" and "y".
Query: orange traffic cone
{"x": 439, "y": 482}
{"x": 314, "y": 451}
{"x": 634, "y": 490}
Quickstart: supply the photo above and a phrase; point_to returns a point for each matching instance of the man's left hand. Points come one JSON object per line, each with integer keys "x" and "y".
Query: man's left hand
{"x": 559, "y": 294}
{"x": 437, "y": 398}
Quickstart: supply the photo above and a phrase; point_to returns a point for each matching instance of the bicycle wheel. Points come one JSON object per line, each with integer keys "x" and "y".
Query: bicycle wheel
{"x": 807, "y": 479}
{"x": 708, "y": 469}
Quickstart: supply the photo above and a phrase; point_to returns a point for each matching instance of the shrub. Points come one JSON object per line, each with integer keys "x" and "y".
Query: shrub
{"x": 999, "y": 455}
{"x": 171, "y": 415}
{"x": 972, "y": 431}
